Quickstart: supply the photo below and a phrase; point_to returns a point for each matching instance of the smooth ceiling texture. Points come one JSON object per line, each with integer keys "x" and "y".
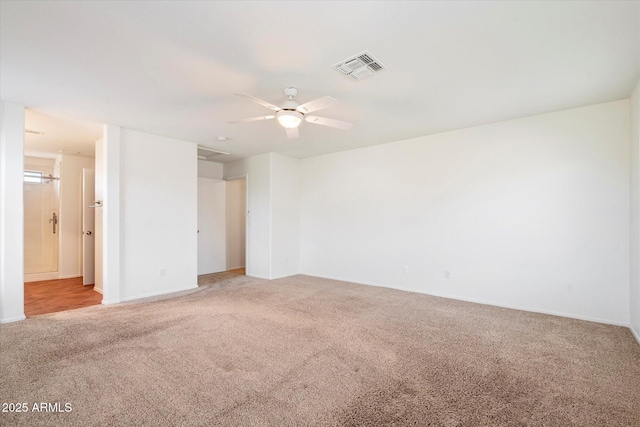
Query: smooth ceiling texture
{"x": 172, "y": 68}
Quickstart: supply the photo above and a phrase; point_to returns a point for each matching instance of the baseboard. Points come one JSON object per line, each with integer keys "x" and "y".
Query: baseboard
{"x": 13, "y": 319}
{"x": 286, "y": 275}
{"x": 39, "y": 277}
{"x": 478, "y": 301}
{"x": 635, "y": 333}
{"x": 258, "y": 277}
{"x": 155, "y": 294}
{"x": 115, "y": 301}
{"x": 97, "y": 290}
{"x": 54, "y": 275}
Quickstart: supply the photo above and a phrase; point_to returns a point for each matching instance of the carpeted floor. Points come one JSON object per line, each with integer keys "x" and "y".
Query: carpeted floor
{"x": 217, "y": 280}
{"x": 304, "y": 351}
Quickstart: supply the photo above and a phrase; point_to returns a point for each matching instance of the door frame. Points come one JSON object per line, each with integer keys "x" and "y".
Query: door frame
{"x": 88, "y": 176}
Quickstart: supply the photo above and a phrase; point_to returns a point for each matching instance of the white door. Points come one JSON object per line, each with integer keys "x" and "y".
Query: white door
{"x": 212, "y": 225}
{"x": 40, "y": 221}
{"x": 88, "y": 225}
{"x": 99, "y": 193}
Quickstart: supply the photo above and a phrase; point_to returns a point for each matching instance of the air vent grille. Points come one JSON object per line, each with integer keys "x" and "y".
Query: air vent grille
{"x": 359, "y": 66}
{"x": 208, "y": 154}
{"x": 34, "y": 132}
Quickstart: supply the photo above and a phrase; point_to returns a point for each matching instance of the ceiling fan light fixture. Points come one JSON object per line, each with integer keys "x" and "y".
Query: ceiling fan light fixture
{"x": 289, "y": 119}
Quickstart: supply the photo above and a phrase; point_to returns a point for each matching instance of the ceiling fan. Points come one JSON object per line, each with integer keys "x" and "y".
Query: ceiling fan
{"x": 290, "y": 114}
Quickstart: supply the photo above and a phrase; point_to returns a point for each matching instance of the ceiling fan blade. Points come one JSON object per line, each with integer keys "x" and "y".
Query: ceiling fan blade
{"x": 292, "y": 133}
{"x": 317, "y": 104}
{"x": 254, "y": 119}
{"x": 260, "y": 101}
{"x": 329, "y": 122}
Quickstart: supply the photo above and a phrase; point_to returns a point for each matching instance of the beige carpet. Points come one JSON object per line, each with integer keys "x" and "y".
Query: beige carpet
{"x": 303, "y": 351}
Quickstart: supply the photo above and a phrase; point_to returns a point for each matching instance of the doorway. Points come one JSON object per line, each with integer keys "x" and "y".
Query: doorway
{"x": 236, "y": 223}
{"x": 212, "y": 225}
{"x": 58, "y": 273}
{"x": 222, "y": 229}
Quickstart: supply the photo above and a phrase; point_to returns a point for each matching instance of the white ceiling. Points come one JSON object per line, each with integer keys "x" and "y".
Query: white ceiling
{"x": 172, "y": 68}
{"x": 59, "y": 135}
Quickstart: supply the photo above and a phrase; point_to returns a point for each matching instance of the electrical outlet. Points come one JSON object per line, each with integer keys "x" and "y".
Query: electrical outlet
{"x": 163, "y": 272}
{"x": 405, "y": 269}
{"x": 447, "y": 275}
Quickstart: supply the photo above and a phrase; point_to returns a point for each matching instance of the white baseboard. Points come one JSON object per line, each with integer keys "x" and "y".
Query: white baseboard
{"x": 53, "y": 275}
{"x": 38, "y": 277}
{"x": 635, "y": 333}
{"x": 286, "y": 275}
{"x": 13, "y": 319}
{"x": 478, "y": 301}
{"x": 97, "y": 290}
{"x": 257, "y": 276}
{"x": 115, "y": 301}
{"x": 155, "y": 294}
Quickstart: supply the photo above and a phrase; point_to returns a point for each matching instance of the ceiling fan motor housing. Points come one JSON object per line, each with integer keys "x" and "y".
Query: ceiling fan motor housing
{"x": 289, "y": 105}
{"x": 290, "y": 92}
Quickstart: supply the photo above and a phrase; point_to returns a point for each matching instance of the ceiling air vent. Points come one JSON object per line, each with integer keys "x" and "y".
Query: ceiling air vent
{"x": 208, "y": 154}
{"x": 359, "y": 66}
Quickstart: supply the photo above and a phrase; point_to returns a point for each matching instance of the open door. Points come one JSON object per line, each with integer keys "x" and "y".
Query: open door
{"x": 212, "y": 225}
{"x": 88, "y": 226}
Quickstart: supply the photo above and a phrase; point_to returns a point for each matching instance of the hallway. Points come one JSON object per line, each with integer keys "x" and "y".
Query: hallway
{"x": 50, "y": 296}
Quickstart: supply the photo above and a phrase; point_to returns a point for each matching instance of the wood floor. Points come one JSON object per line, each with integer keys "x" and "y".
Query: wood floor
{"x": 50, "y": 296}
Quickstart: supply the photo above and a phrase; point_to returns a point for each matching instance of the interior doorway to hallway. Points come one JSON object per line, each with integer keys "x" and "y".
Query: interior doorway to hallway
{"x": 58, "y": 232}
{"x": 237, "y": 223}
{"x": 221, "y": 227}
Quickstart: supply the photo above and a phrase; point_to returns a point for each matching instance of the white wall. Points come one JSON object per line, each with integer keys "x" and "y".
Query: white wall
{"x": 257, "y": 170}
{"x": 158, "y": 214}
{"x": 109, "y": 161}
{"x": 236, "y": 222}
{"x": 11, "y": 212}
{"x": 210, "y": 169}
{"x": 274, "y": 213}
{"x": 70, "y": 203}
{"x": 530, "y": 213}
{"x": 285, "y": 216}
{"x": 634, "y": 291}
{"x": 38, "y": 161}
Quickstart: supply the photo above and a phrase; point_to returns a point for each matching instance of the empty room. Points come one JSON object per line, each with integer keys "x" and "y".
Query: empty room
{"x": 320, "y": 213}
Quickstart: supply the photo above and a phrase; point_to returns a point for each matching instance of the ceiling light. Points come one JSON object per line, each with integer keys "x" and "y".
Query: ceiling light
{"x": 222, "y": 138}
{"x": 289, "y": 119}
